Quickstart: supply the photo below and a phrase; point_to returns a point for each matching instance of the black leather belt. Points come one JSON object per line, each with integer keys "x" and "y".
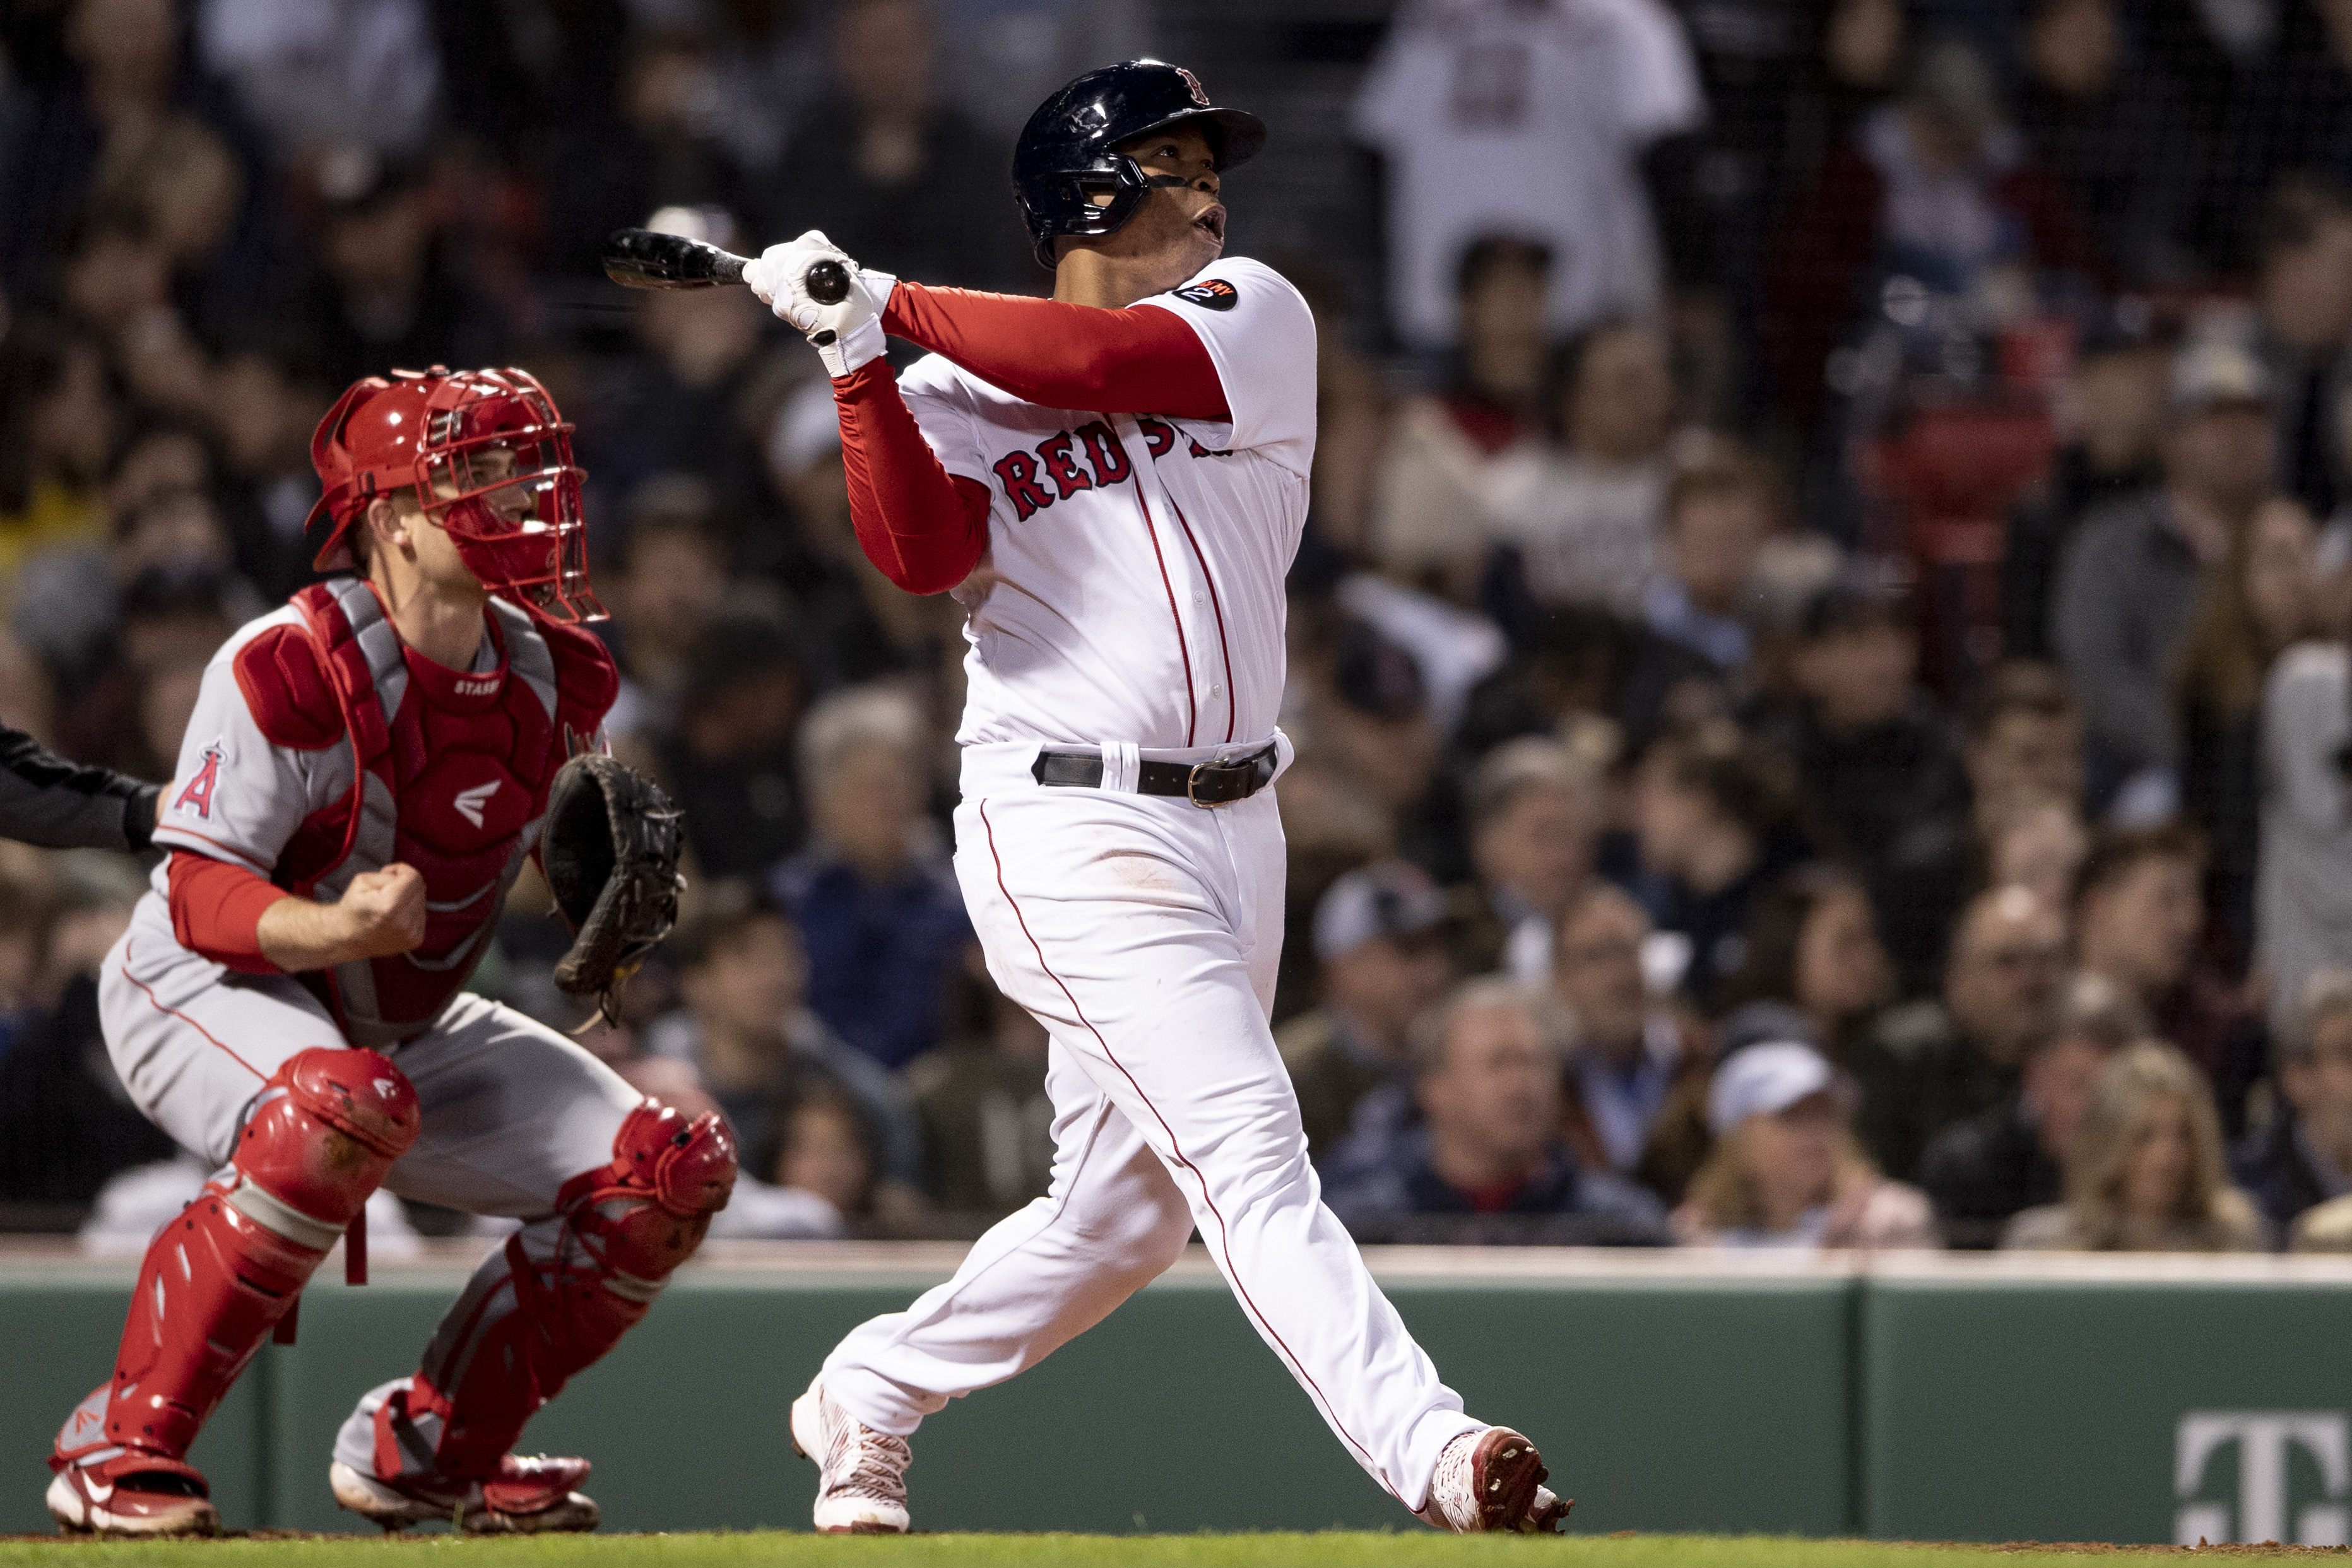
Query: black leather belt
{"x": 1202, "y": 783}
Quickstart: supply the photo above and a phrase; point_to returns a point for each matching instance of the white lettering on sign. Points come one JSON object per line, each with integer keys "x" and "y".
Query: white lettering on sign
{"x": 2266, "y": 1440}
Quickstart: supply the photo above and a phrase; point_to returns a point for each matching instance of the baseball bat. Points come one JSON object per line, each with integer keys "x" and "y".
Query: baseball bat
{"x": 642, "y": 259}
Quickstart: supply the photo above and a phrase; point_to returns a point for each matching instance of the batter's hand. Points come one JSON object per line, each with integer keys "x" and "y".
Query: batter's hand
{"x": 383, "y": 912}
{"x": 846, "y": 334}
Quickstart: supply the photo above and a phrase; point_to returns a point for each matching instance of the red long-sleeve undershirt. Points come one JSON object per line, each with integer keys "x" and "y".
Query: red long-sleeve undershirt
{"x": 924, "y": 528}
{"x": 216, "y": 910}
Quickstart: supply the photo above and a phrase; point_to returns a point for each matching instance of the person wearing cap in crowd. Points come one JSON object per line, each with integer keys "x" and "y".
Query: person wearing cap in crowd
{"x": 1879, "y": 771}
{"x": 1380, "y": 943}
{"x": 1786, "y": 1171}
{"x": 1944, "y": 1059}
{"x": 1375, "y": 727}
{"x": 1627, "y": 1052}
{"x": 2128, "y": 588}
{"x": 2119, "y": 389}
{"x": 1980, "y": 1172}
{"x": 1487, "y": 1156}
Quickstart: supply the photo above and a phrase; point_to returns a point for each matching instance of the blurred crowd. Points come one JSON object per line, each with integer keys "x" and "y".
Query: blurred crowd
{"x": 1818, "y": 661}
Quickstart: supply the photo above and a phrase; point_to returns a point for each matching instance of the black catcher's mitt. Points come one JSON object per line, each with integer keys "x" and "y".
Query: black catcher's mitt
{"x": 610, "y": 850}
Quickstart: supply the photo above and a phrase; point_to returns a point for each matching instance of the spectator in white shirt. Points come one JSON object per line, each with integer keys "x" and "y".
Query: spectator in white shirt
{"x": 1584, "y": 516}
{"x": 1530, "y": 118}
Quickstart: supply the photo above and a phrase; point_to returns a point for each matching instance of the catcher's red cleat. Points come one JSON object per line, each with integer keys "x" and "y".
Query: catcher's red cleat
{"x": 1491, "y": 1481}
{"x": 531, "y": 1496}
{"x": 133, "y": 1496}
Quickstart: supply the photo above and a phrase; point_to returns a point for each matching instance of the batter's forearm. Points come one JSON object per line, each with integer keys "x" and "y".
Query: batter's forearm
{"x": 1140, "y": 360}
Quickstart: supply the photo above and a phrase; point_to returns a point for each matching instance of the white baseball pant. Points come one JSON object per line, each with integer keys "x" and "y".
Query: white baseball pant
{"x": 1143, "y": 933}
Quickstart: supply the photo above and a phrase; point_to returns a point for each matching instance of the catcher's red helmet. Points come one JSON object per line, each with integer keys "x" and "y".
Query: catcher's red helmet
{"x": 456, "y": 437}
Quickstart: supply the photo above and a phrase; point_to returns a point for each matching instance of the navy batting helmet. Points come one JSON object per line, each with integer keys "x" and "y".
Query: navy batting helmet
{"x": 1068, "y": 153}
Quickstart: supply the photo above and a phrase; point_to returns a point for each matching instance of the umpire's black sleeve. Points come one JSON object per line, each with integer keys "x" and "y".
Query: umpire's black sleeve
{"x": 61, "y": 805}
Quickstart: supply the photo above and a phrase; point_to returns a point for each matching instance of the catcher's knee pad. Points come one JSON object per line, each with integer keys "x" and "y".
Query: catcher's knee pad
{"x": 326, "y": 1126}
{"x": 566, "y": 1295}
{"x": 646, "y": 1213}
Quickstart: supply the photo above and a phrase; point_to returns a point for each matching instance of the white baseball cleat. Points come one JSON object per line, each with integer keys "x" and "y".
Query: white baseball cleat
{"x": 861, "y": 1473}
{"x": 1491, "y": 1480}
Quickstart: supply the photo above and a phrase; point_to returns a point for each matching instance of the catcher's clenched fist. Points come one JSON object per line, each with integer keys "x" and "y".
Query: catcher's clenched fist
{"x": 383, "y": 911}
{"x": 380, "y": 915}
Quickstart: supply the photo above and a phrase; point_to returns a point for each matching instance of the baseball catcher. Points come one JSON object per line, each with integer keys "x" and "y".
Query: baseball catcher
{"x": 365, "y": 773}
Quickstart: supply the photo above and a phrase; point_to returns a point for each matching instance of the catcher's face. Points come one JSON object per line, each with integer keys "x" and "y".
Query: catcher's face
{"x": 496, "y": 465}
{"x": 408, "y": 531}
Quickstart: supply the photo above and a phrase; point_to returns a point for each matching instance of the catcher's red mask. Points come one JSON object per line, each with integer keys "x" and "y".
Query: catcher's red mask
{"x": 489, "y": 460}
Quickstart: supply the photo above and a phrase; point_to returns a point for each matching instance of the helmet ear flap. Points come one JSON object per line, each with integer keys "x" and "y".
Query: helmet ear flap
{"x": 1081, "y": 215}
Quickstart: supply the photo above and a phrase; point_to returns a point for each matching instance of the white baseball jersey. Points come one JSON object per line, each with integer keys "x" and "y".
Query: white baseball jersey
{"x": 1132, "y": 589}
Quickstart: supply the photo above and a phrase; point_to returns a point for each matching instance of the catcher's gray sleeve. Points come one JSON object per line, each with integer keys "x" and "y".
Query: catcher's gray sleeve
{"x": 60, "y": 805}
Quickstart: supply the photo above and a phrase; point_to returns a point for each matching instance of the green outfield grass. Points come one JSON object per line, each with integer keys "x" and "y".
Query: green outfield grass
{"x": 1335, "y": 1550}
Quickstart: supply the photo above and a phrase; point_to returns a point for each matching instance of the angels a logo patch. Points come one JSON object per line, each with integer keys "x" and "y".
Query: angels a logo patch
{"x": 198, "y": 795}
{"x": 1192, "y": 86}
{"x": 1210, "y": 294}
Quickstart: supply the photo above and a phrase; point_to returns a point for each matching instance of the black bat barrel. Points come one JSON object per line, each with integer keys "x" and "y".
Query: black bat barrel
{"x": 642, "y": 258}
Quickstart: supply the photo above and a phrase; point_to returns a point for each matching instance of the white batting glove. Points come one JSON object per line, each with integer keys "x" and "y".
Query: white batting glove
{"x": 846, "y": 334}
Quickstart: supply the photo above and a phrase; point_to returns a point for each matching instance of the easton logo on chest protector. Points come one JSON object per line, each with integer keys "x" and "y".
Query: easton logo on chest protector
{"x": 469, "y": 802}
{"x": 1210, "y": 294}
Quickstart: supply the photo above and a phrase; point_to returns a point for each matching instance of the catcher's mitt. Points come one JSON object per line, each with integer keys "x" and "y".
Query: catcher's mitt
{"x": 610, "y": 850}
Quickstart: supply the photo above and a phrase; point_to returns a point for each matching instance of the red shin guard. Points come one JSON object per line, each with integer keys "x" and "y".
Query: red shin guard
{"x": 561, "y": 1300}
{"x": 215, "y": 1280}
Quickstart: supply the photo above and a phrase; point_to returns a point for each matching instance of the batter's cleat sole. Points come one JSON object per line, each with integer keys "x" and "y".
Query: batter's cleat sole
{"x": 99, "y": 1499}
{"x": 1491, "y": 1483}
{"x": 529, "y": 1497}
{"x": 861, "y": 1473}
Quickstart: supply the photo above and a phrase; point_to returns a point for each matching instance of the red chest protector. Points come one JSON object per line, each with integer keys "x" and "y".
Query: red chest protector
{"x": 452, "y": 778}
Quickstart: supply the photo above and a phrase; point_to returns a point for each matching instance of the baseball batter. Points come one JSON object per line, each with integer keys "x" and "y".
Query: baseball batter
{"x": 1113, "y": 482}
{"x": 365, "y": 772}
